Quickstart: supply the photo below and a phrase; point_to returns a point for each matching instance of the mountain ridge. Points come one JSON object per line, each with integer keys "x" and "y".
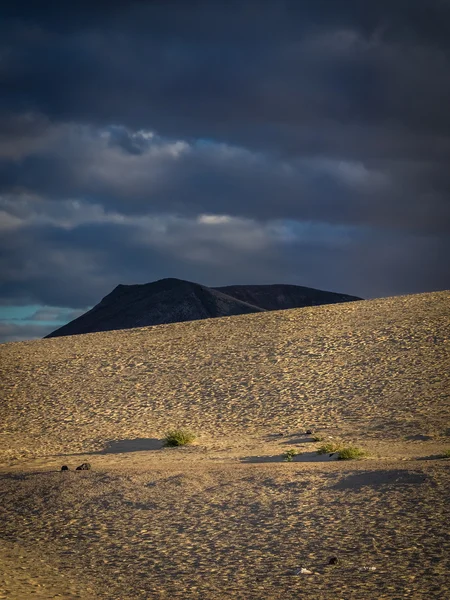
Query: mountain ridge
{"x": 172, "y": 300}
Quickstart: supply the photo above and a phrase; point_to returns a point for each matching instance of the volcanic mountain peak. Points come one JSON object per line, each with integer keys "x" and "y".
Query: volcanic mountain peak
{"x": 172, "y": 300}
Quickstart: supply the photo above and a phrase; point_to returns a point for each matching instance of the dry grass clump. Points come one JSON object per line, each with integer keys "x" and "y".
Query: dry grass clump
{"x": 350, "y": 452}
{"x": 179, "y": 437}
{"x": 343, "y": 452}
{"x": 289, "y": 455}
{"x": 329, "y": 448}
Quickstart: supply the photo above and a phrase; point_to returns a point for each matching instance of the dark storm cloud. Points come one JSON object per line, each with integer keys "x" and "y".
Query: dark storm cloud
{"x": 303, "y": 141}
{"x": 138, "y": 172}
{"x": 374, "y": 263}
{"x": 227, "y": 69}
{"x": 90, "y": 259}
{"x": 302, "y": 77}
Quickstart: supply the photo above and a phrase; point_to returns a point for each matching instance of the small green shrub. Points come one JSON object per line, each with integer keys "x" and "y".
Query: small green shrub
{"x": 350, "y": 452}
{"x": 289, "y": 455}
{"x": 318, "y": 438}
{"x": 178, "y": 437}
{"x": 446, "y": 453}
{"x": 329, "y": 448}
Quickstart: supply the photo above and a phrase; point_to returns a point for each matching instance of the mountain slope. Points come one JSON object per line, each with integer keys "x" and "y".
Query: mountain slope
{"x": 174, "y": 300}
{"x": 164, "y": 301}
{"x": 283, "y": 296}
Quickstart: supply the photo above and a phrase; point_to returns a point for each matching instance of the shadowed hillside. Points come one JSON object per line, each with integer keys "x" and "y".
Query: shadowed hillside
{"x": 175, "y": 300}
{"x": 281, "y": 297}
{"x": 227, "y": 517}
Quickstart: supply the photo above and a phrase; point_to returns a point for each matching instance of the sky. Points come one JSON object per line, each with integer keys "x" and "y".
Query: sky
{"x": 233, "y": 142}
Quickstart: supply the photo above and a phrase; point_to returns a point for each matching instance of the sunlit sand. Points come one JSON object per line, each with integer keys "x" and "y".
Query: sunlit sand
{"x": 227, "y": 517}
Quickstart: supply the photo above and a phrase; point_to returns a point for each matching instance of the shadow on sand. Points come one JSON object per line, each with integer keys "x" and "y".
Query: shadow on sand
{"x": 432, "y": 457}
{"x": 303, "y": 457}
{"x": 136, "y": 445}
{"x": 291, "y": 438}
{"x": 376, "y": 479}
{"x": 122, "y": 446}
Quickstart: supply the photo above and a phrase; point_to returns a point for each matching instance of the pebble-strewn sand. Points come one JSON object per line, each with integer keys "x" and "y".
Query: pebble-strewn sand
{"x": 227, "y": 518}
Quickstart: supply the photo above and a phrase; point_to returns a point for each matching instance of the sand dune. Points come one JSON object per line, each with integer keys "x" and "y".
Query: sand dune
{"x": 227, "y": 518}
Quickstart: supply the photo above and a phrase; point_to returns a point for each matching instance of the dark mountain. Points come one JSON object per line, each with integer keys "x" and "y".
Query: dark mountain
{"x": 283, "y": 296}
{"x": 175, "y": 300}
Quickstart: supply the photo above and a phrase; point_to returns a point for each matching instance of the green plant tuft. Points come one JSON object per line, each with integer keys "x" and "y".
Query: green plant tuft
{"x": 446, "y": 453}
{"x": 318, "y": 438}
{"x": 350, "y": 452}
{"x": 178, "y": 437}
{"x": 329, "y": 448}
{"x": 289, "y": 455}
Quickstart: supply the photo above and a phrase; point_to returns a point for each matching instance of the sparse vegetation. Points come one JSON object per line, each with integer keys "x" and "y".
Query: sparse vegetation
{"x": 178, "y": 437}
{"x": 318, "y": 438}
{"x": 446, "y": 453}
{"x": 350, "y": 452}
{"x": 343, "y": 452}
{"x": 329, "y": 448}
{"x": 289, "y": 455}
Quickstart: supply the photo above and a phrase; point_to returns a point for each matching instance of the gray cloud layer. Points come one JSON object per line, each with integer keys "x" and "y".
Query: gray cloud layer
{"x": 224, "y": 142}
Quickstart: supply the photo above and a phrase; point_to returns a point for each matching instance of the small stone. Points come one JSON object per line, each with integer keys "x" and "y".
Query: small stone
{"x": 304, "y": 571}
{"x": 64, "y": 468}
{"x": 309, "y": 432}
{"x": 333, "y": 560}
{"x": 84, "y": 467}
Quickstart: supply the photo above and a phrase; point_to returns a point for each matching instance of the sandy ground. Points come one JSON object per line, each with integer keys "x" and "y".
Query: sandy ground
{"x": 227, "y": 517}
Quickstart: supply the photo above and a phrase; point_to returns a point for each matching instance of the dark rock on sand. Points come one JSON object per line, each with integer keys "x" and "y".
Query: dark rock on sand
{"x": 84, "y": 467}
